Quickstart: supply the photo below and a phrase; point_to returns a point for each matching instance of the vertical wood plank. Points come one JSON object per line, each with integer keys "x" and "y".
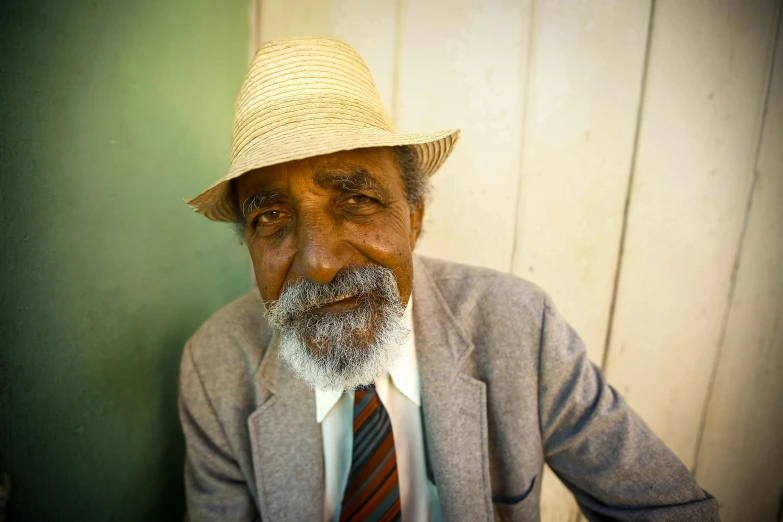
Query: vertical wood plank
{"x": 557, "y": 503}
{"x": 585, "y": 81}
{"x": 254, "y": 27}
{"x": 586, "y": 68}
{"x": 706, "y": 81}
{"x": 368, "y": 26}
{"x": 741, "y": 455}
{"x": 463, "y": 64}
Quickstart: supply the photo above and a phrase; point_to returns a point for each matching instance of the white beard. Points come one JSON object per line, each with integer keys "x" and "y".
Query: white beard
{"x": 344, "y": 365}
{"x": 331, "y": 351}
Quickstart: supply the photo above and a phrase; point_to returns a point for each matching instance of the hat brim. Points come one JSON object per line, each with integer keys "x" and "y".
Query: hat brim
{"x": 432, "y": 149}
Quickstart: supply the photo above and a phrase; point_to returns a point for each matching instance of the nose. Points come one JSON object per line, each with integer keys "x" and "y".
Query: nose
{"x": 321, "y": 251}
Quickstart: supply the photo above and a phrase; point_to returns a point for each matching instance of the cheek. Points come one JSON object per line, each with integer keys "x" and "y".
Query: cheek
{"x": 387, "y": 243}
{"x": 270, "y": 267}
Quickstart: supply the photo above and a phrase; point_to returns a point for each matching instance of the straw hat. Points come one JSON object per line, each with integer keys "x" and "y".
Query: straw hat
{"x": 305, "y": 97}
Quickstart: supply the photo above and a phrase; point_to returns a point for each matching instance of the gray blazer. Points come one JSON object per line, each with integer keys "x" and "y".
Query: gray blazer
{"x": 506, "y": 386}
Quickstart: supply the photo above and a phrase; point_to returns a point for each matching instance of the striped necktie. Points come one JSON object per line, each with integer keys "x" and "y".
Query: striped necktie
{"x": 373, "y": 492}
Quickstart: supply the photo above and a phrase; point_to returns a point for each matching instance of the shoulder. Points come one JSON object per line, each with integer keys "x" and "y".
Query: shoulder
{"x": 501, "y": 315}
{"x": 468, "y": 290}
{"x": 233, "y": 339}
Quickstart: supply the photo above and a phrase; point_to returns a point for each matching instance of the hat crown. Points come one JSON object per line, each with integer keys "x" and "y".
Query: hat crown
{"x": 301, "y": 86}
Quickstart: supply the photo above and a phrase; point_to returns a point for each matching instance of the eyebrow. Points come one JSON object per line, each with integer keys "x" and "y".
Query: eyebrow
{"x": 356, "y": 179}
{"x": 258, "y": 200}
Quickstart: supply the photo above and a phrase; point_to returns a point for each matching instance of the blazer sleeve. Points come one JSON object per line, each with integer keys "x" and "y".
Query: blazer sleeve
{"x": 215, "y": 488}
{"x": 604, "y": 453}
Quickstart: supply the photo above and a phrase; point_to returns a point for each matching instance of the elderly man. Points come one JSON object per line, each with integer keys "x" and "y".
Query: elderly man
{"x": 362, "y": 382}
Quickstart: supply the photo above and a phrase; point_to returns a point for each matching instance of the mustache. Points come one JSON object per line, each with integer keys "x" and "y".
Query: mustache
{"x": 367, "y": 283}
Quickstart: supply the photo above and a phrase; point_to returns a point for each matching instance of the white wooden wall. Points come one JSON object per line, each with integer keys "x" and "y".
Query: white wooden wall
{"x": 625, "y": 155}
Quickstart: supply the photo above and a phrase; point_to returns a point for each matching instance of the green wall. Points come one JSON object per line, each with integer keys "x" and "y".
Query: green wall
{"x": 112, "y": 111}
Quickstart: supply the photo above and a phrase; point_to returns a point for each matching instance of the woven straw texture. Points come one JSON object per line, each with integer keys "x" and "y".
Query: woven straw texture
{"x": 305, "y": 97}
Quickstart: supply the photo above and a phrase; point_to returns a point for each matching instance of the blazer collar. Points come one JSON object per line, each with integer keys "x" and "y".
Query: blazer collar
{"x": 453, "y": 405}
{"x": 286, "y": 439}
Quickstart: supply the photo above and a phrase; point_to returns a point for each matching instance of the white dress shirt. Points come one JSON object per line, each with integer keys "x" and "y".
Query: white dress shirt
{"x": 400, "y": 393}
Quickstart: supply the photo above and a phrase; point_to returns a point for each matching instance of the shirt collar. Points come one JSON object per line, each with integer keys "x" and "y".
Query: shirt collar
{"x": 404, "y": 373}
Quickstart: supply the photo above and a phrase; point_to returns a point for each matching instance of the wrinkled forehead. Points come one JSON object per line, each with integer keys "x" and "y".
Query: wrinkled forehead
{"x": 351, "y": 169}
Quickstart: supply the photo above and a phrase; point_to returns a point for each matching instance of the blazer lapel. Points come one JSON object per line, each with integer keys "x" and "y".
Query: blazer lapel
{"x": 453, "y": 404}
{"x": 287, "y": 445}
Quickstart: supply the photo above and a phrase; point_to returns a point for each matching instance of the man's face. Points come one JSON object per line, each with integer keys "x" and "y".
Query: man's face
{"x": 320, "y": 228}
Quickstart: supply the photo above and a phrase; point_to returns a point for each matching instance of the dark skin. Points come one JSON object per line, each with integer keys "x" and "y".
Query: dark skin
{"x": 310, "y": 218}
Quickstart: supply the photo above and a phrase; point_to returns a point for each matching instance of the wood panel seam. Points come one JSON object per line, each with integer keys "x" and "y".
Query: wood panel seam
{"x": 395, "y": 108}
{"x": 740, "y": 242}
{"x": 629, "y": 189}
{"x": 254, "y": 27}
{"x": 520, "y": 166}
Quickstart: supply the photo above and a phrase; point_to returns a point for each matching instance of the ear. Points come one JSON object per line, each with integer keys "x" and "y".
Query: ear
{"x": 416, "y": 217}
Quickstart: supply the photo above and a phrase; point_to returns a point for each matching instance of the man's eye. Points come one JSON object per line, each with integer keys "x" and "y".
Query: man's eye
{"x": 270, "y": 216}
{"x": 360, "y": 199}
